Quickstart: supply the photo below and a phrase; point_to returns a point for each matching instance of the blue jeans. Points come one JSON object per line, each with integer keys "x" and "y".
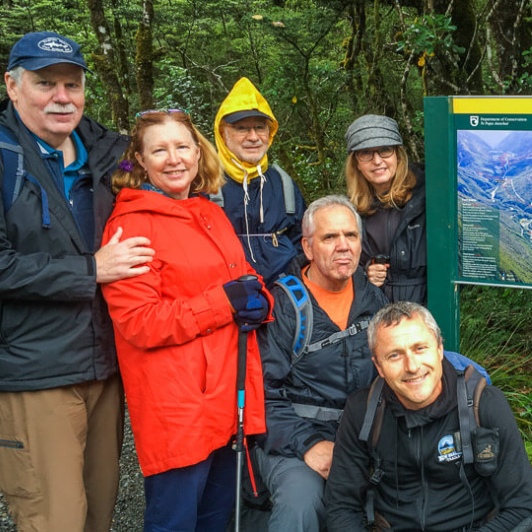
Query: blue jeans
{"x": 197, "y": 498}
{"x": 296, "y": 491}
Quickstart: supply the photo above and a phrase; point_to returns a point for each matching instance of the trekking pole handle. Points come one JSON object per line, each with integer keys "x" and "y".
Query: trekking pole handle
{"x": 247, "y": 277}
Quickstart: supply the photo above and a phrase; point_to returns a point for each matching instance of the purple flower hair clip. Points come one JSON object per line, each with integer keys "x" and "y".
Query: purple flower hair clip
{"x": 126, "y": 165}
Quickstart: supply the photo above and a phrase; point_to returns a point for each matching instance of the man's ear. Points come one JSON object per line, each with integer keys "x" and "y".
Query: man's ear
{"x": 11, "y": 87}
{"x": 376, "y": 364}
{"x": 440, "y": 349}
{"x": 307, "y": 250}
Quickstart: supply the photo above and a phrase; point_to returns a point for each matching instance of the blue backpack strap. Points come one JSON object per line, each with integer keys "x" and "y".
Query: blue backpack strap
{"x": 298, "y": 295}
{"x": 14, "y": 173}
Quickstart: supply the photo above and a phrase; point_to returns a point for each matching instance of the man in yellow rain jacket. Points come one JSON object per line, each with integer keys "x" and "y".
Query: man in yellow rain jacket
{"x": 263, "y": 203}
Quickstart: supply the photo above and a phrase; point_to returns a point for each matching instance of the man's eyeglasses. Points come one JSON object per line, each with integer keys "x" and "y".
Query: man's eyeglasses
{"x": 366, "y": 156}
{"x": 260, "y": 129}
{"x": 140, "y": 114}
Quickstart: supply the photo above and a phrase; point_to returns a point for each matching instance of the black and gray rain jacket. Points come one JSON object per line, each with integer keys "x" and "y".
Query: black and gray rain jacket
{"x": 54, "y": 326}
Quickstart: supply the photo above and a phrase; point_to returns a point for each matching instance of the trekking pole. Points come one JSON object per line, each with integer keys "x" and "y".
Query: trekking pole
{"x": 241, "y": 403}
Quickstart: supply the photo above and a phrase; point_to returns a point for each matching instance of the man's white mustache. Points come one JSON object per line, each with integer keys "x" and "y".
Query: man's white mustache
{"x": 62, "y": 109}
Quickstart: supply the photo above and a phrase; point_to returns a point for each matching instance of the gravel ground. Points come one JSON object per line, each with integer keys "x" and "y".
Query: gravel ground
{"x": 130, "y": 503}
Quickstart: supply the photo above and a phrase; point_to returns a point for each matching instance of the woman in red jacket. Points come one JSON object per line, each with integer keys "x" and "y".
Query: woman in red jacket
{"x": 177, "y": 326}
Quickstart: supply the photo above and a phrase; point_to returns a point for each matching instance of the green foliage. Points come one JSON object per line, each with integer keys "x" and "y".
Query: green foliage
{"x": 524, "y": 82}
{"x": 429, "y": 34}
{"x": 496, "y": 331}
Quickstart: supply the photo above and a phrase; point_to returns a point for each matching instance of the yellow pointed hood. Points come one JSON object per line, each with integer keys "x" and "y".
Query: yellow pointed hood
{"x": 243, "y": 96}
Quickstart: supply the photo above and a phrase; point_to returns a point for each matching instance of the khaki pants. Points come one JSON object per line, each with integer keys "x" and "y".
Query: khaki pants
{"x": 59, "y": 452}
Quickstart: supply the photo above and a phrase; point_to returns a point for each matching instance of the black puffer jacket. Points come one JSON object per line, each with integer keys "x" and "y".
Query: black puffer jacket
{"x": 322, "y": 378}
{"x": 407, "y": 276}
{"x": 421, "y": 488}
{"x": 54, "y": 325}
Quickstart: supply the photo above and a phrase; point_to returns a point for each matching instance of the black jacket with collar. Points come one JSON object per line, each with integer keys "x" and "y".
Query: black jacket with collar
{"x": 54, "y": 325}
{"x": 322, "y": 378}
{"x": 421, "y": 489}
{"x": 407, "y": 276}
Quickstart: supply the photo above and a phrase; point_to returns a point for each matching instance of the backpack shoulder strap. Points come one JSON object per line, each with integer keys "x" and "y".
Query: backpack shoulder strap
{"x": 299, "y": 297}
{"x": 288, "y": 190}
{"x": 352, "y": 330}
{"x": 469, "y": 388}
{"x": 13, "y": 161}
{"x": 218, "y": 198}
{"x": 371, "y": 425}
{"x": 475, "y": 384}
{"x": 374, "y": 403}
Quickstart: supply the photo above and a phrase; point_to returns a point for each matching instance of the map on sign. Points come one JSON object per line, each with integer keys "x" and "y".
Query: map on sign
{"x": 494, "y": 184}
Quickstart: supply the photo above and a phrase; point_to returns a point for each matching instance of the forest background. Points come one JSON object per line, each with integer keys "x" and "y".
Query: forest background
{"x": 320, "y": 64}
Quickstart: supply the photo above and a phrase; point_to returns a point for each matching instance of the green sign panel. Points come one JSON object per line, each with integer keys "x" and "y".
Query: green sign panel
{"x": 479, "y": 198}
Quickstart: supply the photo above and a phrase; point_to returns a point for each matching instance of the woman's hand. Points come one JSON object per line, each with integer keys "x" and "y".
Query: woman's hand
{"x": 377, "y": 273}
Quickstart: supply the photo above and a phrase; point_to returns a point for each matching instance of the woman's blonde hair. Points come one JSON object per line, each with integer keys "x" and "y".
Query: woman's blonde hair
{"x": 362, "y": 194}
{"x": 130, "y": 174}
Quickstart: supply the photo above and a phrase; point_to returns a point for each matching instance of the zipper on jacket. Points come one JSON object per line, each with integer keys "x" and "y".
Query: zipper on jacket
{"x": 11, "y": 444}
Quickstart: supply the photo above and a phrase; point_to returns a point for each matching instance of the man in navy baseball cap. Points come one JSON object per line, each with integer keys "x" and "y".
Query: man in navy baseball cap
{"x": 61, "y": 399}
{"x": 45, "y": 48}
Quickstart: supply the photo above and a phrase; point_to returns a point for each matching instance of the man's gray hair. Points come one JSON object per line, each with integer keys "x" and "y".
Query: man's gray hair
{"x": 307, "y": 224}
{"x": 395, "y": 313}
{"x": 16, "y": 75}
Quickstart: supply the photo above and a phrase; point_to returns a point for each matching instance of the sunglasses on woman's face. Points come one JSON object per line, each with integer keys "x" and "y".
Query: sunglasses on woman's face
{"x": 140, "y": 114}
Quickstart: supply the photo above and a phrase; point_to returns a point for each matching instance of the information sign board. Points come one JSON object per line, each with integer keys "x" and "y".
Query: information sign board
{"x": 478, "y": 153}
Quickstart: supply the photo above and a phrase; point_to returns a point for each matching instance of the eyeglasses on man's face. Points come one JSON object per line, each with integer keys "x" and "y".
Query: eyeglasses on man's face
{"x": 243, "y": 131}
{"x": 384, "y": 152}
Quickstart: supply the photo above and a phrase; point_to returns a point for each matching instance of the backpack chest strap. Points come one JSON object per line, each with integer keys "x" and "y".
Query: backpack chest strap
{"x": 352, "y": 330}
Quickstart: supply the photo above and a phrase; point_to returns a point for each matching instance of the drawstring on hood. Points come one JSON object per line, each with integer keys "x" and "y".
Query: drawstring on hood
{"x": 246, "y": 202}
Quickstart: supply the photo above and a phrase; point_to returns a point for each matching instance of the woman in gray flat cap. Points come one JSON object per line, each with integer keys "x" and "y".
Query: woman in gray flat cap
{"x": 389, "y": 194}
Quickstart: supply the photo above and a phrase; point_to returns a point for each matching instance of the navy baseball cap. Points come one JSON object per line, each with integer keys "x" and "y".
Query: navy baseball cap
{"x": 44, "y": 48}
{"x": 231, "y": 118}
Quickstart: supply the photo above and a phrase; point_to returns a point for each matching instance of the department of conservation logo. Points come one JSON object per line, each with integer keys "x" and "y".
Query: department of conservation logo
{"x": 473, "y": 120}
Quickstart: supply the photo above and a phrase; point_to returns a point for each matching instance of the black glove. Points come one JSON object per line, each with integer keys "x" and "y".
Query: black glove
{"x": 251, "y": 307}
{"x": 243, "y": 293}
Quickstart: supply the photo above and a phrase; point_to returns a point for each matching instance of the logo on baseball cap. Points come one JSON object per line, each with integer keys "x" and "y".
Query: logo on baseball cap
{"x": 43, "y": 49}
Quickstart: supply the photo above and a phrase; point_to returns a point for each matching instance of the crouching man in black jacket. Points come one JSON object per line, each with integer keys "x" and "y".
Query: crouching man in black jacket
{"x": 414, "y": 474}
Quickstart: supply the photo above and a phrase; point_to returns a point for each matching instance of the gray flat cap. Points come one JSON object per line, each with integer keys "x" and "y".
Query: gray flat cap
{"x": 372, "y": 131}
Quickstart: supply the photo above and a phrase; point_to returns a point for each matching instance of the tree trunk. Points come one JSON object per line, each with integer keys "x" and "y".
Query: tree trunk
{"x": 144, "y": 56}
{"x": 106, "y": 65}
